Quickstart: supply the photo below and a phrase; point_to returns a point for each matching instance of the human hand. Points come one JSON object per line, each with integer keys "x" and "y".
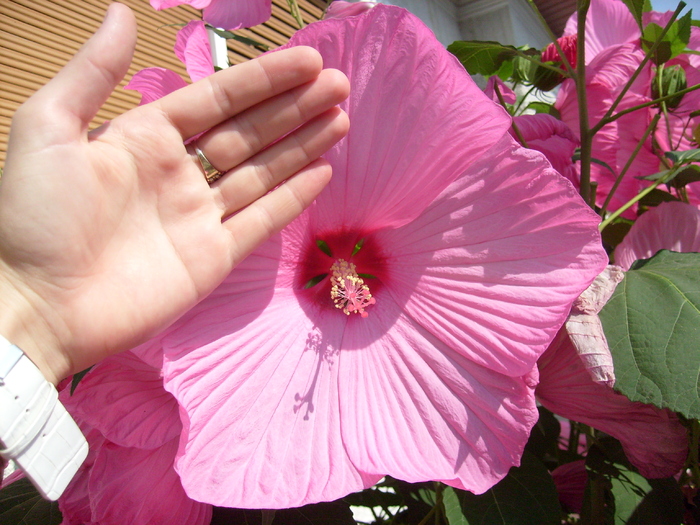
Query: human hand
{"x": 107, "y": 237}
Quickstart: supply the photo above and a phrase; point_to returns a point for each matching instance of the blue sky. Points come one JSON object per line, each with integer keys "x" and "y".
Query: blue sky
{"x": 670, "y": 5}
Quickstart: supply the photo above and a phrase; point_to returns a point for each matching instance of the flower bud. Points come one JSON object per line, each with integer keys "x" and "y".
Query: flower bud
{"x": 546, "y": 79}
{"x": 672, "y": 81}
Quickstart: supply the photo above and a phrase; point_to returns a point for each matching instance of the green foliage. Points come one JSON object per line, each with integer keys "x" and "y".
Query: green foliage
{"x": 527, "y": 495}
{"x": 638, "y": 8}
{"x": 482, "y": 57}
{"x": 543, "y": 107}
{"x": 335, "y": 512}
{"x": 684, "y": 157}
{"x": 652, "y": 323}
{"x": 238, "y": 38}
{"x": 617, "y": 494}
{"x": 673, "y": 42}
{"x": 77, "y": 378}
{"x": 21, "y": 504}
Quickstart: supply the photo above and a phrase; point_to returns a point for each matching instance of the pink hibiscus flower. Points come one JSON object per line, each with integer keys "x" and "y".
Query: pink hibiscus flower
{"x": 132, "y": 426}
{"x": 670, "y": 226}
{"x": 613, "y": 53}
{"x": 225, "y": 14}
{"x": 193, "y": 49}
{"x": 570, "y": 480}
{"x": 653, "y": 439}
{"x": 606, "y": 75}
{"x": 552, "y": 137}
{"x": 465, "y": 252}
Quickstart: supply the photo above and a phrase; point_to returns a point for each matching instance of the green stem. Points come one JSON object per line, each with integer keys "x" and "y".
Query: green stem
{"x": 295, "y": 12}
{"x": 584, "y": 131}
{"x": 503, "y": 103}
{"x": 635, "y": 199}
{"x": 540, "y": 63}
{"x": 608, "y": 120}
{"x": 618, "y": 181}
{"x": 639, "y": 69}
{"x": 522, "y": 100}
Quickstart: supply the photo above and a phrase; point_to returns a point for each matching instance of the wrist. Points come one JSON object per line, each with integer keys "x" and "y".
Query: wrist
{"x": 23, "y": 321}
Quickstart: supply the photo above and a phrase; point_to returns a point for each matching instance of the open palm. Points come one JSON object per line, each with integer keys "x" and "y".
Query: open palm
{"x": 108, "y": 237}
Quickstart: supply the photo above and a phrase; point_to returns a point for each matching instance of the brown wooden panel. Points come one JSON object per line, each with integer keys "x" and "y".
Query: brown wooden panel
{"x": 38, "y": 37}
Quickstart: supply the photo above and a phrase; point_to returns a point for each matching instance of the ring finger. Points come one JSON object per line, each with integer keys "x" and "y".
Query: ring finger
{"x": 235, "y": 141}
{"x": 258, "y": 175}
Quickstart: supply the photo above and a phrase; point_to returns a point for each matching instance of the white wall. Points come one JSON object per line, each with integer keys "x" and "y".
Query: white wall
{"x": 506, "y": 21}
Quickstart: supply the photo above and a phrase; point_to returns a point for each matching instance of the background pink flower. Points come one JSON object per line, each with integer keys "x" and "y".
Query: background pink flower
{"x": 472, "y": 247}
{"x": 670, "y": 226}
{"x": 653, "y": 439}
{"x": 225, "y": 14}
{"x": 552, "y": 137}
{"x": 193, "y": 49}
{"x": 570, "y": 480}
{"x": 132, "y": 426}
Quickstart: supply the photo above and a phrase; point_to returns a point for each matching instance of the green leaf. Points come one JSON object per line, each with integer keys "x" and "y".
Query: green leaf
{"x": 686, "y": 176}
{"x": 238, "y": 38}
{"x": 629, "y": 497}
{"x": 453, "y": 507}
{"x": 638, "y": 8}
{"x": 323, "y": 246}
{"x": 21, "y": 504}
{"x": 615, "y": 232}
{"x": 527, "y": 495}
{"x": 482, "y": 57}
{"x": 683, "y": 157}
{"x": 336, "y": 512}
{"x": 652, "y": 323}
{"x": 544, "y": 437}
{"x": 543, "y": 107}
{"x": 672, "y": 44}
{"x": 77, "y": 378}
{"x": 656, "y": 197}
{"x": 677, "y": 177}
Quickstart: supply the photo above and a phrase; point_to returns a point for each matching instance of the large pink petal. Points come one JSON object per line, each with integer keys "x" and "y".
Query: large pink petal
{"x": 492, "y": 267}
{"x": 264, "y": 422}
{"x": 154, "y": 83}
{"x": 140, "y": 487}
{"x": 608, "y": 23}
{"x": 197, "y": 4}
{"x": 413, "y": 408}
{"x": 124, "y": 399}
{"x": 193, "y": 49}
{"x": 418, "y": 120}
{"x": 670, "y": 226}
{"x": 232, "y": 14}
{"x": 653, "y": 439}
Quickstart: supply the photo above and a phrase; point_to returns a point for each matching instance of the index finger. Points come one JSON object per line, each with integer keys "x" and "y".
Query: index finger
{"x": 217, "y": 98}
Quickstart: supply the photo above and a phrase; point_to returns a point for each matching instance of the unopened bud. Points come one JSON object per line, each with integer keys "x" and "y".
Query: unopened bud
{"x": 672, "y": 80}
{"x": 547, "y": 79}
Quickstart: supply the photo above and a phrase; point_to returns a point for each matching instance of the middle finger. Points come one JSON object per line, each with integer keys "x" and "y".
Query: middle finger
{"x": 233, "y": 142}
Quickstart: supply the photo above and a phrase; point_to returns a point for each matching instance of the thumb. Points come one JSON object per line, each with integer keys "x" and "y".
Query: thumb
{"x": 72, "y": 98}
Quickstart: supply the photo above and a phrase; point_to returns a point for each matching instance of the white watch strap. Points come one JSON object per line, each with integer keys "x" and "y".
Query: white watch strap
{"x": 36, "y": 431}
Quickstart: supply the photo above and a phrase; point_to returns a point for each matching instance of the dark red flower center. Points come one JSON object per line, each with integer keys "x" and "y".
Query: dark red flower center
{"x": 342, "y": 269}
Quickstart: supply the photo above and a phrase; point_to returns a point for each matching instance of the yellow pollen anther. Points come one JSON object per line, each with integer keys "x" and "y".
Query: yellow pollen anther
{"x": 348, "y": 291}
